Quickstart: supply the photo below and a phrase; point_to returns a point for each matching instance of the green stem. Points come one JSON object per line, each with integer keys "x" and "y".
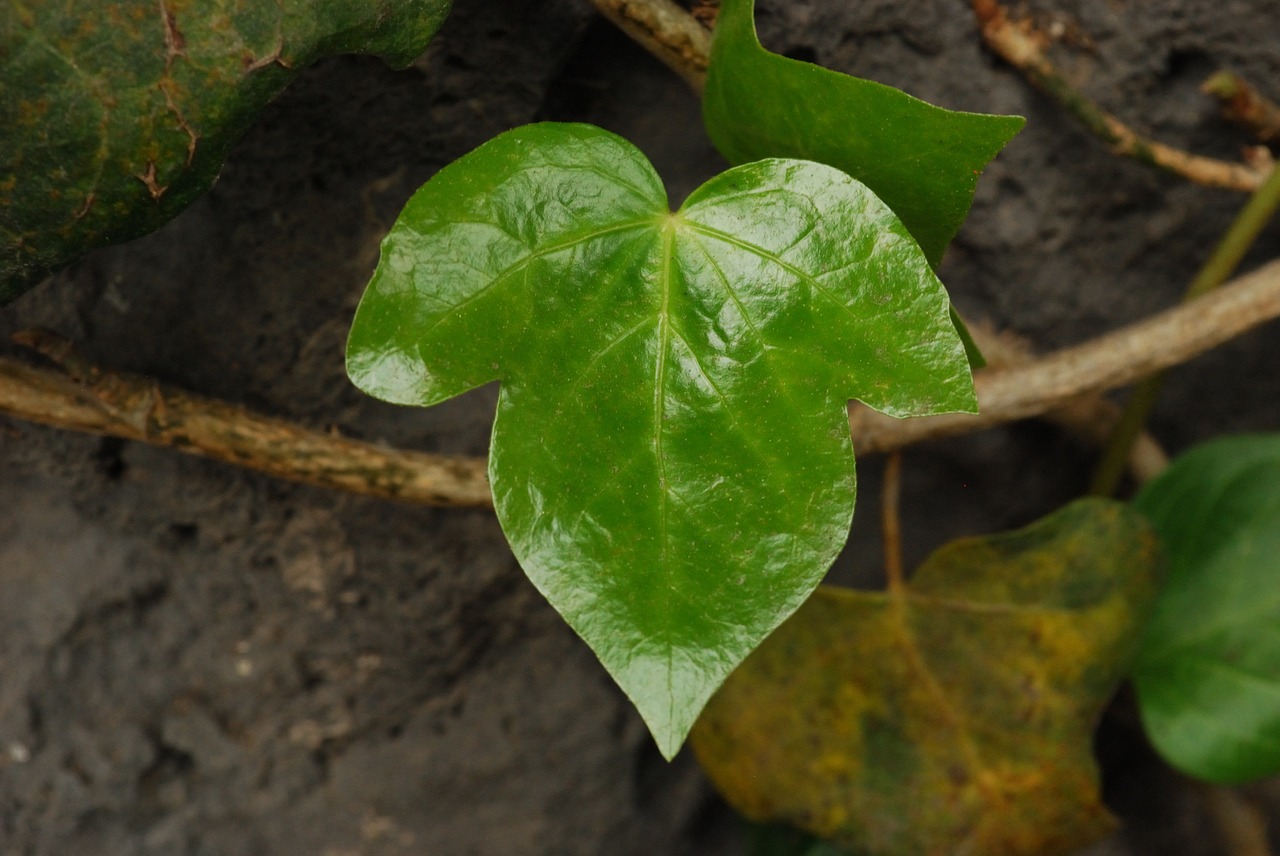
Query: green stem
{"x": 1221, "y": 264}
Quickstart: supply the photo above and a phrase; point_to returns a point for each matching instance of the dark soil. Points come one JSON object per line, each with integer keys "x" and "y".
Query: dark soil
{"x": 199, "y": 660}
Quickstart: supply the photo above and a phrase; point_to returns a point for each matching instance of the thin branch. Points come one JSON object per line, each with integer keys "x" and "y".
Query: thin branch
{"x": 1244, "y": 104}
{"x": 666, "y": 31}
{"x": 137, "y": 408}
{"x": 1021, "y": 48}
{"x": 1113, "y": 360}
{"x": 1091, "y": 419}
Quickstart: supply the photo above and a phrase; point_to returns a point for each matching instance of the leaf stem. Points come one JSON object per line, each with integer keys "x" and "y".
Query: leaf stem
{"x": 1224, "y": 260}
{"x": 891, "y": 529}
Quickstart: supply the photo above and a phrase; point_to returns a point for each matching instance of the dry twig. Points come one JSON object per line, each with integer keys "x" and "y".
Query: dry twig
{"x": 83, "y": 398}
{"x": 1244, "y": 104}
{"x": 1091, "y": 419}
{"x": 1017, "y": 44}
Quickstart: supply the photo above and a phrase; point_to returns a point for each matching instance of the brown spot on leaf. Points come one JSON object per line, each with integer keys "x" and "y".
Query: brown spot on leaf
{"x": 149, "y": 179}
{"x": 175, "y": 44}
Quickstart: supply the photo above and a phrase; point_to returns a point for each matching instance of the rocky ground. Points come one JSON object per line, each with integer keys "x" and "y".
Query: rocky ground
{"x": 200, "y": 661}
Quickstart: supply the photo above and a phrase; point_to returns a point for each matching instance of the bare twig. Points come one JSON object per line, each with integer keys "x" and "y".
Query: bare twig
{"x": 665, "y": 30}
{"x": 1018, "y": 46}
{"x": 137, "y": 408}
{"x": 1244, "y": 104}
{"x": 1116, "y": 359}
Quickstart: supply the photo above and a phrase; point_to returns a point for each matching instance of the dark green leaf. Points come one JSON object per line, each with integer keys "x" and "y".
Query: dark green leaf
{"x": 671, "y": 458}
{"x": 1208, "y": 675}
{"x": 116, "y": 115}
{"x": 922, "y": 160}
{"x": 955, "y": 715}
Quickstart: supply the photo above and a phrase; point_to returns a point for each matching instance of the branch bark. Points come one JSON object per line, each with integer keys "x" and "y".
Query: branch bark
{"x": 138, "y": 408}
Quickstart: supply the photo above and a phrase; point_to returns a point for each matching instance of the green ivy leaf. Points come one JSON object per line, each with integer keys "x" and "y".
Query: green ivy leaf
{"x": 922, "y": 160}
{"x": 1208, "y": 674}
{"x": 114, "y": 116}
{"x": 670, "y": 458}
{"x": 952, "y": 715}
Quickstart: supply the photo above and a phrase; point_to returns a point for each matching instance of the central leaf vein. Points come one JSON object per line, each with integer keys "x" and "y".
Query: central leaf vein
{"x": 659, "y": 413}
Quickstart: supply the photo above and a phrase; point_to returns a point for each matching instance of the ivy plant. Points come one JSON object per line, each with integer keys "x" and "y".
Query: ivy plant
{"x": 670, "y": 458}
{"x": 1208, "y": 675}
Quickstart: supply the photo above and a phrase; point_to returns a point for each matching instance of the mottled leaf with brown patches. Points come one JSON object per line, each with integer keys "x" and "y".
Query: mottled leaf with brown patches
{"x": 114, "y": 116}
{"x": 954, "y": 716}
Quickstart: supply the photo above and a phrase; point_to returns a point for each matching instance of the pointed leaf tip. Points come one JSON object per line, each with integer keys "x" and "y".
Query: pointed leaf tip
{"x": 670, "y": 456}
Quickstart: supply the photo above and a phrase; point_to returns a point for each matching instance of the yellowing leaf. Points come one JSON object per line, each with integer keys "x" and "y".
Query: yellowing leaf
{"x": 953, "y": 716}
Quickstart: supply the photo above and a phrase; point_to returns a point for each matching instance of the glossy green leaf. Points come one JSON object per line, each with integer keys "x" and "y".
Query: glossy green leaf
{"x": 954, "y": 715}
{"x": 114, "y": 116}
{"x": 922, "y": 160}
{"x": 670, "y": 458}
{"x": 1208, "y": 675}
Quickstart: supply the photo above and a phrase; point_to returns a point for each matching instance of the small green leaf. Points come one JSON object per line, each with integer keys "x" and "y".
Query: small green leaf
{"x": 1208, "y": 675}
{"x": 114, "y": 116}
{"x": 922, "y": 160}
{"x": 670, "y": 458}
{"x": 954, "y": 715}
